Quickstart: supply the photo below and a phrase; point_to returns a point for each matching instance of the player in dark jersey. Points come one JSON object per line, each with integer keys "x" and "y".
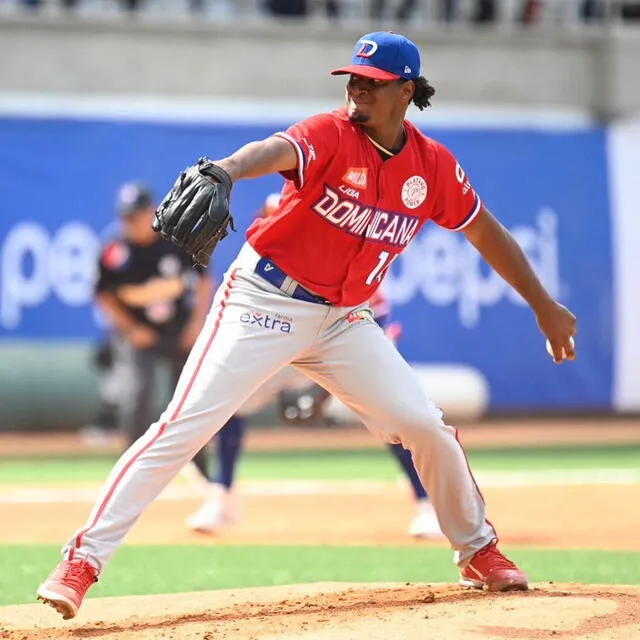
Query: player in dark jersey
{"x": 155, "y": 303}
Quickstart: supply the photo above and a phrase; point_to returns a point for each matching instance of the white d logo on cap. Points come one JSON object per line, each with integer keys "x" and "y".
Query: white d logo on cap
{"x": 365, "y": 52}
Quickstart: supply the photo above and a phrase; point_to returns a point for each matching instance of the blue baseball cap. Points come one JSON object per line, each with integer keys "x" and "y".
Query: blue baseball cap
{"x": 383, "y": 55}
{"x": 133, "y": 197}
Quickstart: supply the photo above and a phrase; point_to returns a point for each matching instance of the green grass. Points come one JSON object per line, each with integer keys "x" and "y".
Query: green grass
{"x": 330, "y": 465}
{"x": 169, "y": 569}
{"x": 164, "y": 569}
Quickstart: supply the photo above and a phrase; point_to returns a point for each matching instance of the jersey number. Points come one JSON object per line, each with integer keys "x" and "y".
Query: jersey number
{"x": 379, "y": 270}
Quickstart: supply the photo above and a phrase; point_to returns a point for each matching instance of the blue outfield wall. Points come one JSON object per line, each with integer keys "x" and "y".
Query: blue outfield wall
{"x": 58, "y": 179}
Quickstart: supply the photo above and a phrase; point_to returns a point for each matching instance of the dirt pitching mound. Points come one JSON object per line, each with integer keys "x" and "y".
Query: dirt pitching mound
{"x": 331, "y": 611}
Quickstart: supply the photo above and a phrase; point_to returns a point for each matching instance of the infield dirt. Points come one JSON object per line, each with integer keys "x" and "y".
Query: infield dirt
{"x": 330, "y": 611}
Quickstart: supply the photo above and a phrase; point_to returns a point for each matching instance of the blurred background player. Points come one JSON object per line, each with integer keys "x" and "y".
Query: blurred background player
{"x": 104, "y": 426}
{"x": 155, "y": 303}
{"x": 300, "y": 401}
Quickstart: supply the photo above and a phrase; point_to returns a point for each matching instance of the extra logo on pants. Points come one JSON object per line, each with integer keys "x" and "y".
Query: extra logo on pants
{"x": 276, "y": 322}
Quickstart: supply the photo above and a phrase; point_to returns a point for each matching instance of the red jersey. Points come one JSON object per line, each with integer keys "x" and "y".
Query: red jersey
{"x": 346, "y": 214}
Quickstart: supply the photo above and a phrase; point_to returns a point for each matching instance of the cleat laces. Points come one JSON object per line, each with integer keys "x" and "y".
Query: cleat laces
{"x": 77, "y": 576}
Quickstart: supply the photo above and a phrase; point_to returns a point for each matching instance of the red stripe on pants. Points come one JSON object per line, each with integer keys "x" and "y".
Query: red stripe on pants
{"x": 161, "y": 430}
{"x": 466, "y": 459}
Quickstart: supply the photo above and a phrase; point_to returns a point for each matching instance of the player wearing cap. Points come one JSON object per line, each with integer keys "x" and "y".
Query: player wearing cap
{"x": 361, "y": 183}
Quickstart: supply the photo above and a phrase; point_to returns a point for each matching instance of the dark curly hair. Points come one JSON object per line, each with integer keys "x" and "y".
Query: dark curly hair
{"x": 423, "y": 93}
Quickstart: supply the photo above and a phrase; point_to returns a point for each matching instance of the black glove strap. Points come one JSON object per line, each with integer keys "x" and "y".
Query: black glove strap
{"x": 207, "y": 168}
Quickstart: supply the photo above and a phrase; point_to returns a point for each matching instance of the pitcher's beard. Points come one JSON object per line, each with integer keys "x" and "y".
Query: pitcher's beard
{"x": 359, "y": 118}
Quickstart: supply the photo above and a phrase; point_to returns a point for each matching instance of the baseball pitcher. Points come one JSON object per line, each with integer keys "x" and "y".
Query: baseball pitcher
{"x": 361, "y": 182}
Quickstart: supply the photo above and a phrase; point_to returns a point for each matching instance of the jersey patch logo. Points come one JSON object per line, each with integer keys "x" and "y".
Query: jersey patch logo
{"x": 414, "y": 192}
{"x": 356, "y": 177}
{"x": 115, "y": 256}
{"x": 357, "y": 316}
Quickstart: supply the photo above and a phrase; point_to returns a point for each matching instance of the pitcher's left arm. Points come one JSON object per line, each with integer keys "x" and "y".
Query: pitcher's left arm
{"x": 498, "y": 247}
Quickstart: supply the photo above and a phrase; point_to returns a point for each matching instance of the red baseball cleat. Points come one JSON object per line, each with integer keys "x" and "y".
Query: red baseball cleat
{"x": 67, "y": 585}
{"x": 491, "y": 570}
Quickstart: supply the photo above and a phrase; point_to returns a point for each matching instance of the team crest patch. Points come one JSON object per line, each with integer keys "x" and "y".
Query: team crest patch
{"x": 361, "y": 314}
{"x": 414, "y": 192}
{"x": 115, "y": 256}
{"x": 356, "y": 177}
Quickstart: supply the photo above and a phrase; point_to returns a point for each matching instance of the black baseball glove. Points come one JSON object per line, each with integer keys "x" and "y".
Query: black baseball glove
{"x": 195, "y": 214}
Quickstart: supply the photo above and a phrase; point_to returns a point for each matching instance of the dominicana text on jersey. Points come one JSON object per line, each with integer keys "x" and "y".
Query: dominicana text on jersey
{"x": 364, "y": 221}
